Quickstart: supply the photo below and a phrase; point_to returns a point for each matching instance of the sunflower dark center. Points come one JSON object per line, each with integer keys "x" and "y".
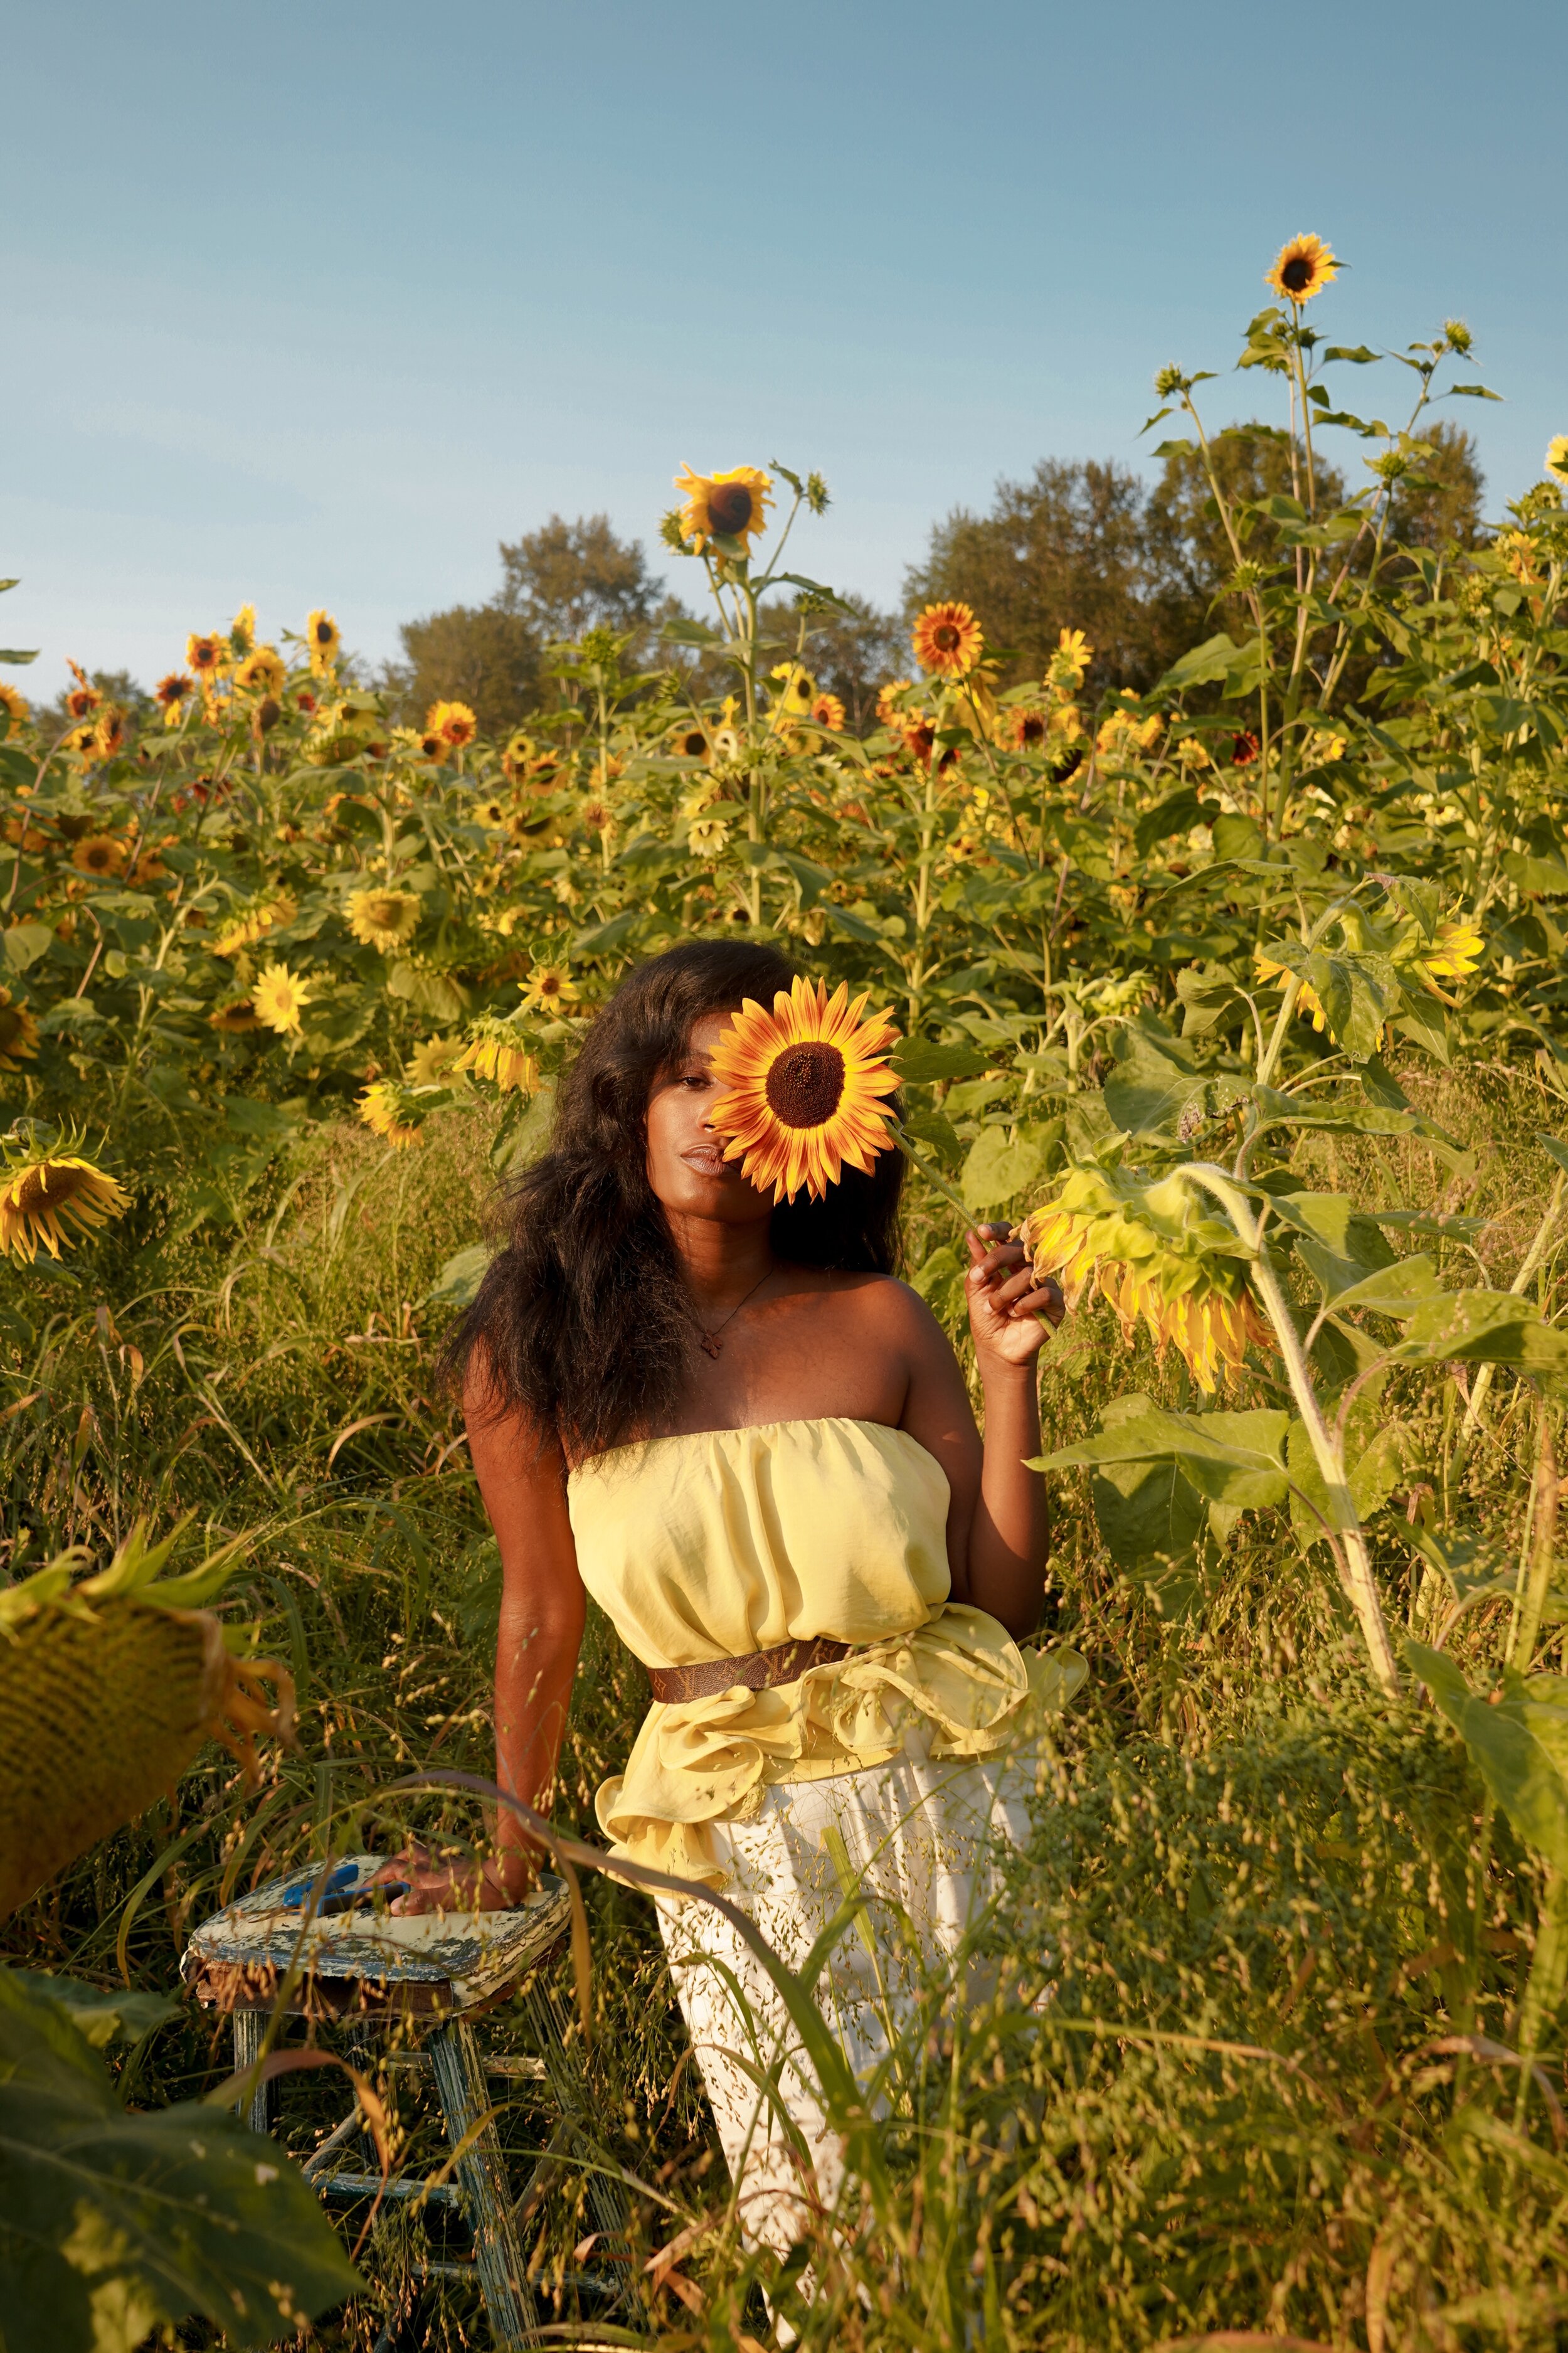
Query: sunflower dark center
{"x": 1296, "y": 273}
{"x": 805, "y": 1084}
{"x": 1033, "y": 729}
{"x": 944, "y": 637}
{"x": 323, "y": 633}
{"x": 49, "y": 1187}
{"x": 730, "y": 507}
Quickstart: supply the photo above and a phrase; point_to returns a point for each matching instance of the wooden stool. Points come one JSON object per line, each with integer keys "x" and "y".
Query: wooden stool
{"x": 321, "y": 1946}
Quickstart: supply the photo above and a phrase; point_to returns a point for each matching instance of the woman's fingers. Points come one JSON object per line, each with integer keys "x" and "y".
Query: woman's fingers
{"x": 1022, "y": 1295}
{"x": 1046, "y": 1301}
{"x": 1005, "y": 1259}
{"x": 413, "y": 1859}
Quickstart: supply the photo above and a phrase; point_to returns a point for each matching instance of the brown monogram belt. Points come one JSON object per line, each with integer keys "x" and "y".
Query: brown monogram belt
{"x": 757, "y": 1669}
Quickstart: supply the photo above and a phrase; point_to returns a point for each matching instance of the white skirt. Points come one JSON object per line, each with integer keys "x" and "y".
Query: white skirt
{"x": 920, "y": 1839}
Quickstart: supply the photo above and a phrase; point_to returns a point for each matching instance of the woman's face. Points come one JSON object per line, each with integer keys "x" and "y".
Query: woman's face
{"x": 686, "y": 1163}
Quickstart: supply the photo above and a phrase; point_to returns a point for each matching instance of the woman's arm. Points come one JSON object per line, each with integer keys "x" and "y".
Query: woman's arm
{"x": 998, "y": 1529}
{"x": 543, "y": 1612}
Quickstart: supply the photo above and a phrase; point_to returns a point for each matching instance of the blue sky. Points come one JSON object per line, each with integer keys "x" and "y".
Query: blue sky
{"x": 313, "y": 303}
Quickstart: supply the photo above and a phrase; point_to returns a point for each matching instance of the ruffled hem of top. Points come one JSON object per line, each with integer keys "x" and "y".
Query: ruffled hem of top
{"x": 959, "y": 1685}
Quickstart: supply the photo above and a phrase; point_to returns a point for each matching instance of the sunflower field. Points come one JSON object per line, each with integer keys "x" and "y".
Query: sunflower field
{"x": 1244, "y": 999}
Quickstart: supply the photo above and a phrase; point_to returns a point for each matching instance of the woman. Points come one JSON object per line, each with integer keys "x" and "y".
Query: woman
{"x": 754, "y": 1447}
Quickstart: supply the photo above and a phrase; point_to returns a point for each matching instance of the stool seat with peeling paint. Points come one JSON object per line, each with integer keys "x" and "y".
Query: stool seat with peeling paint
{"x": 323, "y": 1945}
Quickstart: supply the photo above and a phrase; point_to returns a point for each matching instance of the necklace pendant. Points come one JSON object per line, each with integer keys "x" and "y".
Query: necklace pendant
{"x": 713, "y": 1346}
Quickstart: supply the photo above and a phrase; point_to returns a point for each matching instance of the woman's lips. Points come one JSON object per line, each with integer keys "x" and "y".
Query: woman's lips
{"x": 708, "y": 1159}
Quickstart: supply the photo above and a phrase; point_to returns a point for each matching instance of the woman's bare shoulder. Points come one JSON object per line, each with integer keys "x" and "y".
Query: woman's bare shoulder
{"x": 882, "y": 1302}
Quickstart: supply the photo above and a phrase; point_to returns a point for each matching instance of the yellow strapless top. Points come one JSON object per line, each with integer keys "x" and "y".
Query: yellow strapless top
{"x": 727, "y": 1541}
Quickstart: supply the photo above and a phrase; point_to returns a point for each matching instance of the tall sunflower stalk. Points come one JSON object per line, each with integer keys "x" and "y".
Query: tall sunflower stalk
{"x": 721, "y": 514}
{"x": 1346, "y": 1536}
{"x": 1279, "y": 342}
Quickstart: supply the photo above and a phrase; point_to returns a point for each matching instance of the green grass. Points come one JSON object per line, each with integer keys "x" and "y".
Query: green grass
{"x": 1255, "y": 1901}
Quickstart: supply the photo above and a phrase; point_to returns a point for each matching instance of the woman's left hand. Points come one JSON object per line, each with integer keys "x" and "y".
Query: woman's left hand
{"x": 1005, "y": 1303}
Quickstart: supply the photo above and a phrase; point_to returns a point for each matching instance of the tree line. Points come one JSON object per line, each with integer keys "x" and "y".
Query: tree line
{"x": 1090, "y": 545}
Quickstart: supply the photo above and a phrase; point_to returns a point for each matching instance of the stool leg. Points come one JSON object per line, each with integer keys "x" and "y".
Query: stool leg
{"x": 482, "y": 2178}
{"x": 563, "y": 2067}
{"x": 249, "y": 2031}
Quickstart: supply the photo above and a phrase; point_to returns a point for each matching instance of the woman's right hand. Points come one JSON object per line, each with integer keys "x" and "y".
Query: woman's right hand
{"x": 497, "y": 1886}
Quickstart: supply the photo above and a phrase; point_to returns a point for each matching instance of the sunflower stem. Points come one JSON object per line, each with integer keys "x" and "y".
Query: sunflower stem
{"x": 1528, "y": 1267}
{"x": 938, "y": 1184}
{"x": 1361, "y": 1586}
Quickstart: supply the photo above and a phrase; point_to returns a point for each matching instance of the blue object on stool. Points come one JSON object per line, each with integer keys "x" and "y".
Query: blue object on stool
{"x": 324, "y": 1946}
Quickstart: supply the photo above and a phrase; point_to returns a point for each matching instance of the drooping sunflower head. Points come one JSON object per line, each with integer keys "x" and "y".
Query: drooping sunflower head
{"x": 454, "y": 723}
{"x": 43, "y": 1195}
{"x": 384, "y": 919}
{"x": 827, "y": 711}
{"x": 16, "y": 706}
{"x": 247, "y": 924}
{"x": 434, "y": 1059}
{"x": 323, "y": 638}
{"x": 1453, "y": 953}
{"x": 948, "y": 640}
{"x": 731, "y": 505}
{"x": 1302, "y": 268}
{"x": 387, "y": 1111}
{"x": 1556, "y": 459}
{"x": 279, "y": 998}
{"x": 1456, "y": 950}
{"x": 262, "y": 672}
{"x": 496, "y": 1051}
{"x": 1308, "y": 1003}
{"x": 548, "y": 988}
{"x": 206, "y": 655}
{"x": 242, "y": 632}
{"x": 804, "y": 1087}
{"x": 18, "y": 1033}
{"x": 1153, "y": 1252}
{"x": 98, "y": 854}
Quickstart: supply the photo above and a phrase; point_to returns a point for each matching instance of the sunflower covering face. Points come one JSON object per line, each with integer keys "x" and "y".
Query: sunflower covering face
{"x": 803, "y": 1086}
{"x": 723, "y": 506}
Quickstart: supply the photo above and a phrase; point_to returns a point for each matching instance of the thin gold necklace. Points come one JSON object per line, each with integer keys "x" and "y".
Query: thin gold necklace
{"x": 711, "y": 1340}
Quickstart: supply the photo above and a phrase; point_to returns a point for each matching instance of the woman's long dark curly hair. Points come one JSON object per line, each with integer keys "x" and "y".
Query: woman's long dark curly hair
{"x": 583, "y": 1320}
